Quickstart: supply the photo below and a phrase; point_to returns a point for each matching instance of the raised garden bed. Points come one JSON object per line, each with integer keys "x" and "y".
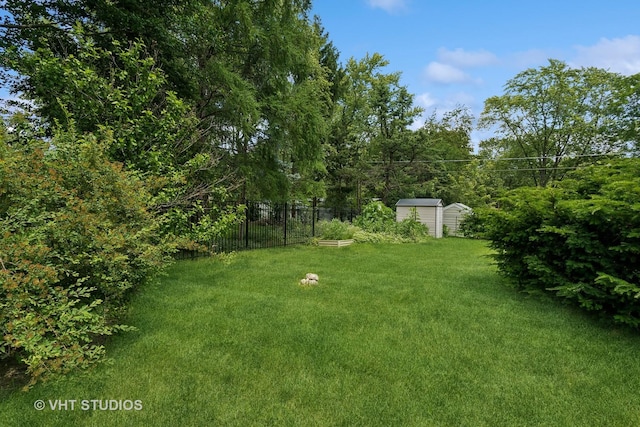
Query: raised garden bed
{"x": 335, "y": 243}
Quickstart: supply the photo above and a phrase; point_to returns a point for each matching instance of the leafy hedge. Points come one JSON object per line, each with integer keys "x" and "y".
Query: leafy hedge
{"x": 376, "y": 224}
{"x": 579, "y": 240}
{"x": 76, "y": 239}
{"x": 335, "y": 230}
{"x": 376, "y": 218}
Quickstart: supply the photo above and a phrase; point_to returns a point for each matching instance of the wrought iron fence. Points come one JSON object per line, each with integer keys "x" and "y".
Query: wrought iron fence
{"x": 268, "y": 224}
{"x": 272, "y": 224}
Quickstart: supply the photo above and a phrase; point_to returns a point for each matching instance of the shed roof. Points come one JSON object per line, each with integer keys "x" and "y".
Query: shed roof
{"x": 460, "y": 206}
{"x": 420, "y": 202}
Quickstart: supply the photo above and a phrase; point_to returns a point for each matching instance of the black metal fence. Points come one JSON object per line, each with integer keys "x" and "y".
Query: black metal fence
{"x": 272, "y": 224}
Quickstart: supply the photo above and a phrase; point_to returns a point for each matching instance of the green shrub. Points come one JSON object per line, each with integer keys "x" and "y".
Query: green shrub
{"x": 376, "y": 218}
{"x": 579, "y": 240}
{"x": 335, "y": 230}
{"x": 473, "y": 224}
{"x": 412, "y": 229}
{"x": 362, "y": 236}
{"x": 77, "y": 239}
{"x": 378, "y": 223}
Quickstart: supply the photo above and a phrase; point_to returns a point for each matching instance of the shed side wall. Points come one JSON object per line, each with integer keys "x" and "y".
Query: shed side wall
{"x": 431, "y": 216}
{"x": 452, "y": 218}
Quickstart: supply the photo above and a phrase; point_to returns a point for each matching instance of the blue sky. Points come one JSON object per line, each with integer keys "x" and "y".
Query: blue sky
{"x": 462, "y": 52}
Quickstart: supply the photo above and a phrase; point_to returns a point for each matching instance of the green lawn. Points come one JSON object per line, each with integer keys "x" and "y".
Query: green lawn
{"x": 424, "y": 334}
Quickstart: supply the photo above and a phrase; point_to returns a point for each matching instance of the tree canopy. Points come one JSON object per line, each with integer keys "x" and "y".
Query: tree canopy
{"x": 554, "y": 118}
{"x": 249, "y": 72}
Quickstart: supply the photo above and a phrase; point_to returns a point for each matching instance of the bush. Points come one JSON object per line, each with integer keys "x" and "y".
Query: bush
{"x": 378, "y": 224}
{"x": 412, "y": 229}
{"x": 473, "y": 224}
{"x": 335, "y": 230}
{"x": 77, "y": 239}
{"x": 361, "y": 236}
{"x": 376, "y": 218}
{"x": 579, "y": 240}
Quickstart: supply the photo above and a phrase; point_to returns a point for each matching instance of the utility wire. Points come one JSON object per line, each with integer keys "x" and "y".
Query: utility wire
{"x": 500, "y": 159}
{"x": 536, "y": 169}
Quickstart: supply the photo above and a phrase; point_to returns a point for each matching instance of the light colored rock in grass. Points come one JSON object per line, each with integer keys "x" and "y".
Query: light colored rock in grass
{"x": 310, "y": 279}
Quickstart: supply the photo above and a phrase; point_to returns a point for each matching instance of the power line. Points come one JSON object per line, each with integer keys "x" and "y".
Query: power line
{"x": 499, "y": 159}
{"x": 536, "y": 169}
{"x": 570, "y": 156}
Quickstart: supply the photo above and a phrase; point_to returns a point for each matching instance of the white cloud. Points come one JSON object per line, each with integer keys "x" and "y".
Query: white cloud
{"x": 426, "y": 100}
{"x": 444, "y": 73}
{"x": 390, "y": 6}
{"x": 620, "y": 55}
{"x": 438, "y": 72}
{"x": 465, "y": 59}
{"x": 450, "y": 66}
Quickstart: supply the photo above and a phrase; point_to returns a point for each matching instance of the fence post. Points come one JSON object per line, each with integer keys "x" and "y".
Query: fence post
{"x": 313, "y": 217}
{"x": 246, "y": 225}
{"x": 285, "y": 223}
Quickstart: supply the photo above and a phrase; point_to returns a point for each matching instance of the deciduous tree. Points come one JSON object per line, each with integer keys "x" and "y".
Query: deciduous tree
{"x": 370, "y": 140}
{"x": 553, "y": 118}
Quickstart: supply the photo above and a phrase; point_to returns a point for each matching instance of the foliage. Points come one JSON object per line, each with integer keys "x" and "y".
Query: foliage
{"x": 263, "y": 92}
{"x": 412, "y": 229}
{"x": 553, "y": 119}
{"x": 77, "y": 239}
{"x": 476, "y": 184}
{"x": 362, "y": 236}
{"x": 370, "y": 140}
{"x": 197, "y": 227}
{"x": 473, "y": 225}
{"x": 395, "y": 237}
{"x": 335, "y": 230}
{"x": 127, "y": 98}
{"x": 152, "y": 131}
{"x": 391, "y": 143}
{"x": 376, "y": 217}
{"x": 373, "y": 153}
{"x": 377, "y": 223}
{"x": 441, "y": 156}
{"x": 247, "y": 74}
{"x": 346, "y": 149}
{"x": 626, "y": 110}
{"x": 579, "y": 240}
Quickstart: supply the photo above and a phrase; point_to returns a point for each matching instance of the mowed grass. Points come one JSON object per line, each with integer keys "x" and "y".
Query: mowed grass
{"x": 394, "y": 335}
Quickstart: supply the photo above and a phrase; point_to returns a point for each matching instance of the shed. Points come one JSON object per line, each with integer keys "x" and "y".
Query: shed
{"x": 429, "y": 212}
{"x": 453, "y": 215}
